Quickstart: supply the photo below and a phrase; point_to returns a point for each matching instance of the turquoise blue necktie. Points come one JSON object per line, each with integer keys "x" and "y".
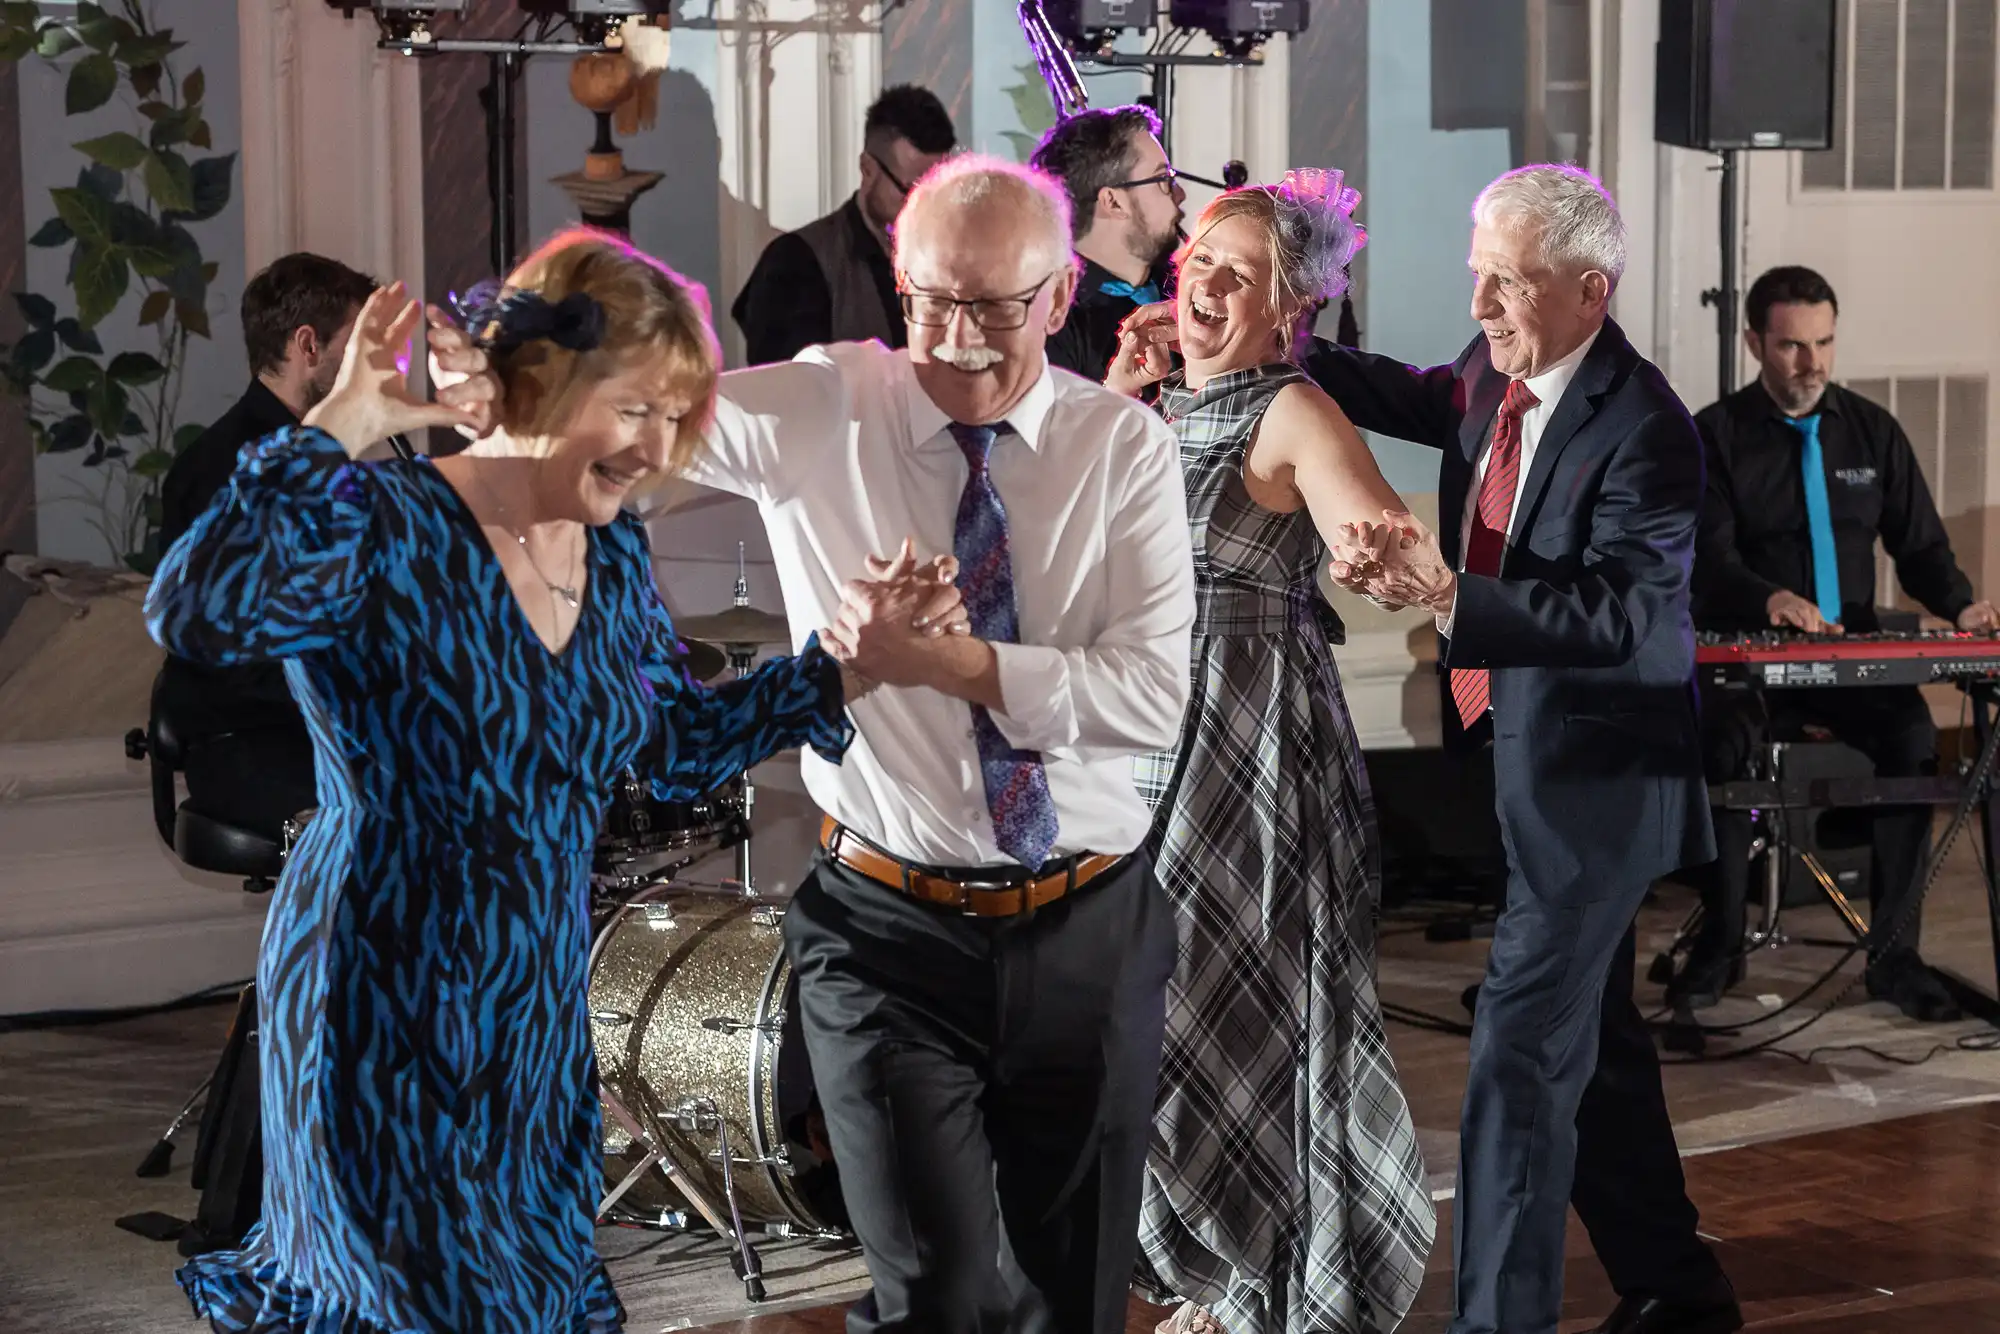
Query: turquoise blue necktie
{"x": 1819, "y": 518}
{"x": 1141, "y": 296}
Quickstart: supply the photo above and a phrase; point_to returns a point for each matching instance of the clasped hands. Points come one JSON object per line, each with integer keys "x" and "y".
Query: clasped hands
{"x": 1396, "y": 563}
{"x": 884, "y": 631}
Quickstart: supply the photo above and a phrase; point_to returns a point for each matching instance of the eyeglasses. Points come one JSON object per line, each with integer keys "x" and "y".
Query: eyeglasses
{"x": 901, "y": 188}
{"x": 1166, "y": 176}
{"x": 996, "y": 314}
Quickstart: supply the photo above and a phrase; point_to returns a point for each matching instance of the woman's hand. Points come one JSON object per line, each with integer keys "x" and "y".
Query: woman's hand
{"x": 463, "y": 375}
{"x": 1146, "y": 340}
{"x": 371, "y": 398}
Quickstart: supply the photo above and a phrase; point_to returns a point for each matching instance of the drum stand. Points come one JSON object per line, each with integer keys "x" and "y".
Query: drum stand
{"x": 696, "y": 1115}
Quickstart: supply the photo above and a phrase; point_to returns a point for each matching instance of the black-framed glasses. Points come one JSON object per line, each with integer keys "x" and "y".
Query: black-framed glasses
{"x": 894, "y": 179}
{"x": 997, "y": 314}
{"x": 1165, "y": 176}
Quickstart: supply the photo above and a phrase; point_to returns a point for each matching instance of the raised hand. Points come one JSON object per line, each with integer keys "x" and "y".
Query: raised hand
{"x": 1406, "y": 568}
{"x": 1140, "y": 361}
{"x": 463, "y": 375}
{"x": 371, "y": 398}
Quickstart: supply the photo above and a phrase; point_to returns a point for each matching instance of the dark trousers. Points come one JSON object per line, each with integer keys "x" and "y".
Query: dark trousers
{"x": 988, "y": 1088}
{"x": 1892, "y": 726}
{"x": 253, "y": 779}
{"x": 1563, "y": 1105}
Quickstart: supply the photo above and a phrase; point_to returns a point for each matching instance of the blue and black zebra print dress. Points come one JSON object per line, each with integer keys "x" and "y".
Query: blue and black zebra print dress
{"x": 431, "y": 1139}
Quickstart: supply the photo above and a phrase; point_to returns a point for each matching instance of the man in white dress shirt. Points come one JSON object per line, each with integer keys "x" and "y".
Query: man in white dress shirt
{"x": 981, "y": 948}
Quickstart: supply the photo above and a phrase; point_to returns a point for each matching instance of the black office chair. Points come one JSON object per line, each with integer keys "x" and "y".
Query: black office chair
{"x": 204, "y": 839}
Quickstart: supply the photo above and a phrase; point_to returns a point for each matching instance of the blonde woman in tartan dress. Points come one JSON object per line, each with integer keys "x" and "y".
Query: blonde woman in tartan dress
{"x": 1285, "y": 1192}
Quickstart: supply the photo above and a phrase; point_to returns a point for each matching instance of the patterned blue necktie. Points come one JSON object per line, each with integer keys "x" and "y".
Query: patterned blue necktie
{"x": 1819, "y": 518}
{"x": 1017, "y": 787}
{"x": 1143, "y": 295}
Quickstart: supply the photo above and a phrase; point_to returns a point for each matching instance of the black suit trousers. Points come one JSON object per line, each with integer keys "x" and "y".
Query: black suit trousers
{"x": 988, "y": 1088}
{"x": 1563, "y": 1104}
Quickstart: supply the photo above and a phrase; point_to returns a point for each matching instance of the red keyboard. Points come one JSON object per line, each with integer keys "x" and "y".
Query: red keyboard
{"x": 1789, "y": 659}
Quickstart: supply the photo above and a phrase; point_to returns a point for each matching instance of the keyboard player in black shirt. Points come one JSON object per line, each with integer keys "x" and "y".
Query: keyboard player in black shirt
{"x": 1804, "y": 477}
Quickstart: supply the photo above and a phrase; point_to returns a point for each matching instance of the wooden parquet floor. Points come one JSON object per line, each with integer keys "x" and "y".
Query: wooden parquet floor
{"x": 1888, "y": 1228}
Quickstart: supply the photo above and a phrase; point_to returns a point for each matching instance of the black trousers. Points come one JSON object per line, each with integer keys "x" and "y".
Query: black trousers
{"x": 254, "y": 779}
{"x": 1563, "y": 1105}
{"x": 988, "y": 1088}
{"x": 1892, "y": 726}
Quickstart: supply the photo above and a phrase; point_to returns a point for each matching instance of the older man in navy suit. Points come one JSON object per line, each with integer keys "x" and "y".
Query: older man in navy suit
{"x": 1571, "y": 480}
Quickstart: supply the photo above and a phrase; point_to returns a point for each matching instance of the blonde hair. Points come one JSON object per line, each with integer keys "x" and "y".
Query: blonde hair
{"x": 1310, "y": 239}
{"x": 649, "y": 312}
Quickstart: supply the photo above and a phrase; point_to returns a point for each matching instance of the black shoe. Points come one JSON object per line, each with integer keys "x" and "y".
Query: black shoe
{"x": 1908, "y": 984}
{"x": 1701, "y": 982}
{"x": 1654, "y": 1315}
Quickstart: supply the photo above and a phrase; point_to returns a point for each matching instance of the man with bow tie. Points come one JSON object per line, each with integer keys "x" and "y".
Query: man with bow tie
{"x": 981, "y": 948}
{"x": 1126, "y": 201}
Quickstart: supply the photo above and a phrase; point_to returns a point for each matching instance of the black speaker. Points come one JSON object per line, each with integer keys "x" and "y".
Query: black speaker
{"x": 1239, "y": 18}
{"x": 1440, "y": 833}
{"x": 1087, "y": 20}
{"x": 1744, "y": 74}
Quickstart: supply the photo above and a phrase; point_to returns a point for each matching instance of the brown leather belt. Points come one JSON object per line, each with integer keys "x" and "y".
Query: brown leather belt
{"x": 974, "y": 898}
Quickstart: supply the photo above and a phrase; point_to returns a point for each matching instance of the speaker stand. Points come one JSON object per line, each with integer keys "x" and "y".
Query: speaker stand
{"x": 1724, "y": 295}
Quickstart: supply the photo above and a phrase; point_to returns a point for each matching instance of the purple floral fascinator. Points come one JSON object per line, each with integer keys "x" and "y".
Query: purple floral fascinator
{"x": 1316, "y": 221}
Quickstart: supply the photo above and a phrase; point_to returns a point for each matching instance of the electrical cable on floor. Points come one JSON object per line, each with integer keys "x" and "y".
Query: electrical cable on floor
{"x": 41, "y": 1019}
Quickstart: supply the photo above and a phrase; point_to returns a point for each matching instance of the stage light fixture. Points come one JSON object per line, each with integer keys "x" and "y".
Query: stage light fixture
{"x": 1236, "y": 26}
{"x": 596, "y": 20}
{"x": 1093, "y": 22}
{"x": 402, "y": 20}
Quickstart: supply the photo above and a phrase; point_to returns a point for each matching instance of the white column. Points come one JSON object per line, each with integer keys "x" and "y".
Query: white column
{"x": 332, "y": 141}
{"x": 1240, "y": 111}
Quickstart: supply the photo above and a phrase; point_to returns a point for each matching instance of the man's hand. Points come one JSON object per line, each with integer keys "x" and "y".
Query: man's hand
{"x": 881, "y": 630}
{"x": 463, "y": 376}
{"x": 1980, "y": 618}
{"x": 1786, "y": 608}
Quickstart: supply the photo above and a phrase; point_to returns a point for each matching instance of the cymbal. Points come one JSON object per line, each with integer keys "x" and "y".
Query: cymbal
{"x": 704, "y": 661}
{"x": 738, "y": 625}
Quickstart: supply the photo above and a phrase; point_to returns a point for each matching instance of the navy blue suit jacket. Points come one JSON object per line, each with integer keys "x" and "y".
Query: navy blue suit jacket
{"x": 1586, "y": 629}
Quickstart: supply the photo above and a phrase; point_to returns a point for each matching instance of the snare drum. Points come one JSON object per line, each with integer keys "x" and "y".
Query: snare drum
{"x": 692, "y": 1002}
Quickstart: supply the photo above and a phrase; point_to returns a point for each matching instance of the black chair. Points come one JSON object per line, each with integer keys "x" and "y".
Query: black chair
{"x": 203, "y": 839}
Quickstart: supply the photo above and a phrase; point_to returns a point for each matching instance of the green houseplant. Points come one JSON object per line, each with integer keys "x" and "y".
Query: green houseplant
{"x": 126, "y": 224}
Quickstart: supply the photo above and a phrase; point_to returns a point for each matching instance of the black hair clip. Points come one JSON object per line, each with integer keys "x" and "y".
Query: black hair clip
{"x": 501, "y": 320}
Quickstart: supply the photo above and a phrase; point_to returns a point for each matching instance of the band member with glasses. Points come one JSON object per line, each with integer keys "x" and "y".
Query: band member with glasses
{"x": 1126, "y": 201}
{"x": 831, "y": 281}
{"x": 981, "y": 947}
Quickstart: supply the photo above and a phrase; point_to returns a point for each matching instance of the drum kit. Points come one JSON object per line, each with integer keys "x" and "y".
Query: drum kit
{"x": 709, "y": 1109}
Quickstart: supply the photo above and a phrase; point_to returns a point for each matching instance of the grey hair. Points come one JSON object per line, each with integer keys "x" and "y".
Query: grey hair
{"x": 1579, "y": 221}
{"x": 976, "y": 181}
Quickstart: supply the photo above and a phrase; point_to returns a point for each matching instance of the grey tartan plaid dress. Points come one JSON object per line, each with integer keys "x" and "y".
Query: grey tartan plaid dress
{"x": 1284, "y": 1190}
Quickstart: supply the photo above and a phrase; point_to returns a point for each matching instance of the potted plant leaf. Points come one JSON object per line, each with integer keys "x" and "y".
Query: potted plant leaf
{"x": 129, "y": 227}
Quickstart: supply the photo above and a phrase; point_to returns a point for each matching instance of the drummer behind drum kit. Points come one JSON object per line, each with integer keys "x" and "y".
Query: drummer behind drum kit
{"x": 708, "y": 1096}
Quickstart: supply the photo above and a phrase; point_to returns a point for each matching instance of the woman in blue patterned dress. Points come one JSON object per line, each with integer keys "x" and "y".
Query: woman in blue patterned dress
{"x": 1284, "y": 1193}
{"x": 479, "y": 650}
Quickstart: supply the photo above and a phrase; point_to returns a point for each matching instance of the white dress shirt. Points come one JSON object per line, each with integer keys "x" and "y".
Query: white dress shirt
{"x": 1548, "y": 389}
{"x": 846, "y": 455}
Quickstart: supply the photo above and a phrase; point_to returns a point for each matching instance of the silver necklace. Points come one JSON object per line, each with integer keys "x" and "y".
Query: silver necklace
{"x": 567, "y": 592}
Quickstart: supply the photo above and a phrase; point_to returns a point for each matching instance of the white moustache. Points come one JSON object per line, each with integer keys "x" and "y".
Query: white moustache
{"x": 967, "y": 358}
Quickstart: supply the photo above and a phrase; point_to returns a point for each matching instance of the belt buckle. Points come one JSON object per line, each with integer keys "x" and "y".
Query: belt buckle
{"x": 965, "y": 907}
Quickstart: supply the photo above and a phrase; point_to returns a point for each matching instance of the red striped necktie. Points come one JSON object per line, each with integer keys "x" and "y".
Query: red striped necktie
{"x": 1486, "y": 543}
